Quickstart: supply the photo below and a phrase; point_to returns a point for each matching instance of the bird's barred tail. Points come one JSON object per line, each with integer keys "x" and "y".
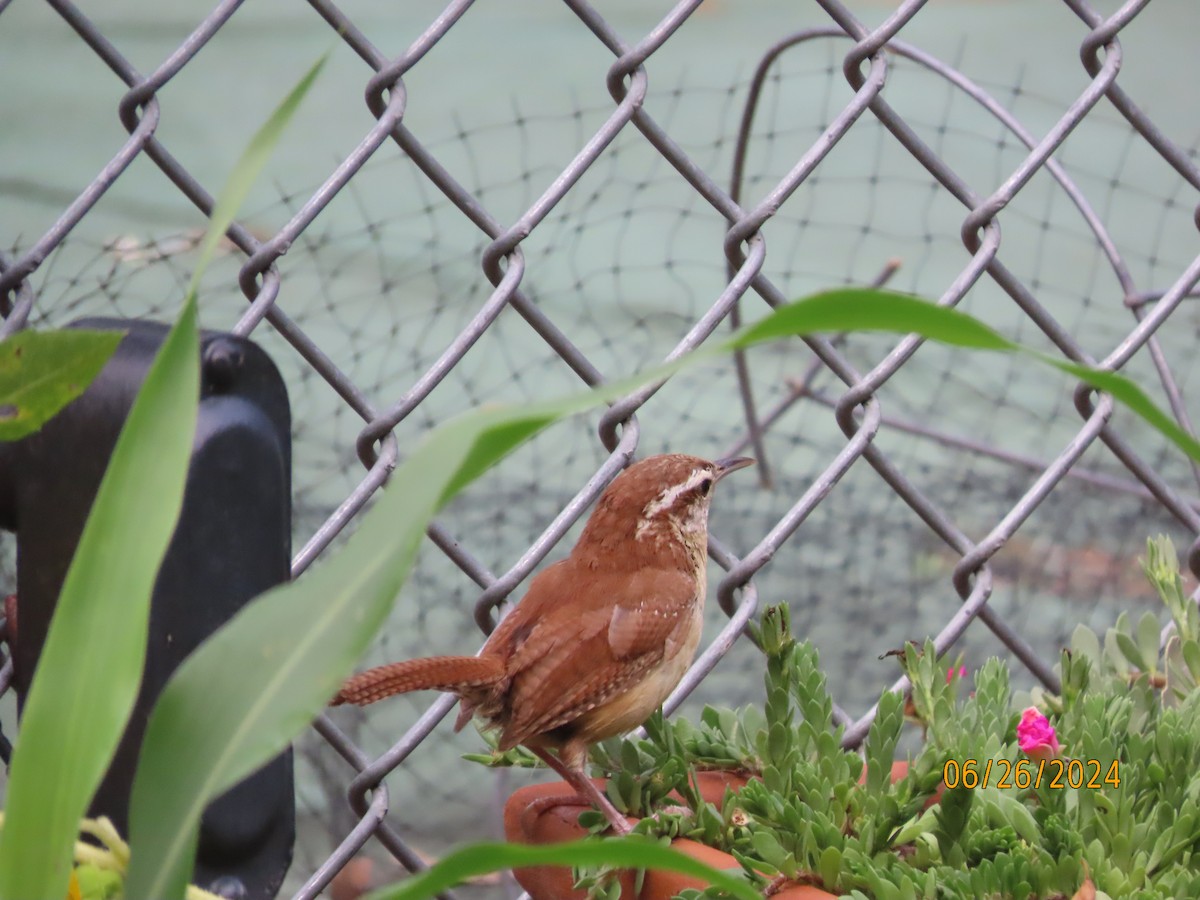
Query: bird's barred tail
{"x": 434, "y": 673}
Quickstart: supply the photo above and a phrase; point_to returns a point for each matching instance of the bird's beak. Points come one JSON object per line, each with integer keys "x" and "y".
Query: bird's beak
{"x": 732, "y": 464}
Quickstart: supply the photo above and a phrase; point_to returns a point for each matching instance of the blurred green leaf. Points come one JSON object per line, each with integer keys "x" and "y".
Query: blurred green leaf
{"x": 479, "y": 859}
{"x": 1085, "y": 642}
{"x": 244, "y": 173}
{"x": 242, "y": 695}
{"x": 91, "y": 664}
{"x": 882, "y": 738}
{"x": 1148, "y": 631}
{"x": 248, "y": 167}
{"x": 98, "y": 884}
{"x": 872, "y": 309}
{"x": 1132, "y": 396}
{"x": 1191, "y": 658}
{"x": 1130, "y": 649}
{"x": 43, "y": 371}
{"x": 829, "y": 865}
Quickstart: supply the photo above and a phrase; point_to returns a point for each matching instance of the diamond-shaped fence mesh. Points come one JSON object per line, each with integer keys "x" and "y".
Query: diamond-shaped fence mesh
{"x": 539, "y": 195}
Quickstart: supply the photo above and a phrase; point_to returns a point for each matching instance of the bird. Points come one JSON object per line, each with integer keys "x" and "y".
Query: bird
{"x": 600, "y": 639}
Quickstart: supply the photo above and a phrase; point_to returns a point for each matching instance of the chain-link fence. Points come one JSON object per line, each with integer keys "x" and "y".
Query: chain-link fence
{"x": 489, "y": 249}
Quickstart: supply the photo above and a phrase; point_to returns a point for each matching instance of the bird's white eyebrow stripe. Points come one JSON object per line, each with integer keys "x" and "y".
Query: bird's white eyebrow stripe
{"x": 671, "y": 494}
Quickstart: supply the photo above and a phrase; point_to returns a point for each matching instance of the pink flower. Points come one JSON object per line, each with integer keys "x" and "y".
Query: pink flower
{"x": 1036, "y": 737}
{"x": 951, "y": 674}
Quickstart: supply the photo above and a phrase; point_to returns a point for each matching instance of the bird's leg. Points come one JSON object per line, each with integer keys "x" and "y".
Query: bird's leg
{"x": 575, "y": 776}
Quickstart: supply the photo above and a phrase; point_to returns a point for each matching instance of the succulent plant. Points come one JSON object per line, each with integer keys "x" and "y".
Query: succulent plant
{"x": 1092, "y": 792}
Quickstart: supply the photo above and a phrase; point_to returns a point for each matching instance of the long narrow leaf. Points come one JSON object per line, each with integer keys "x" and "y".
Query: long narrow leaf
{"x": 249, "y": 166}
{"x": 244, "y": 693}
{"x": 234, "y": 193}
{"x": 91, "y": 664}
{"x": 1131, "y": 396}
{"x": 43, "y": 371}
{"x": 479, "y": 859}
{"x": 870, "y": 309}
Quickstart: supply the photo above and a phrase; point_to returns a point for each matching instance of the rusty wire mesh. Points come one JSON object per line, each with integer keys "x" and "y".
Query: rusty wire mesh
{"x": 907, "y": 488}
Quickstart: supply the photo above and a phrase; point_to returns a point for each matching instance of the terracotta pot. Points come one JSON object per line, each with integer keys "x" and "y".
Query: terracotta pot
{"x": 664, "y": 885}
{"x": 524, "y": 823}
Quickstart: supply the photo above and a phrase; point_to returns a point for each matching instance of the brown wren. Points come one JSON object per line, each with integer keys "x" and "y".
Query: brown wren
{"x": 600, "y": 638}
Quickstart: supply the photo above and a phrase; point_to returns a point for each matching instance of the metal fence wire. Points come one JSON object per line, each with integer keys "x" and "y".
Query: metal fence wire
{"x": 905, "y": 489}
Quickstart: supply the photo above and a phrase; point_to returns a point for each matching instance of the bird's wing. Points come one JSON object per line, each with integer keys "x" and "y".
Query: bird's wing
{"x": 579, "y": 655}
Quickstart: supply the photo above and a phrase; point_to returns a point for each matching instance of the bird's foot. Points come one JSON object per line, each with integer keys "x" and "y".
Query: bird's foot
{"x": 618, "y": 822}
{"x": 585, "y": 787}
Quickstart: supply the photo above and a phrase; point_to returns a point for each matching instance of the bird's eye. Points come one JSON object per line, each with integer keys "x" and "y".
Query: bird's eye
{"x": 705, "y": 486}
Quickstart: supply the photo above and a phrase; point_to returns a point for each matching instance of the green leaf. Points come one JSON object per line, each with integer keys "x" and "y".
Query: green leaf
{"x": 951, "y": 814}
{"x": 480, "y": 859}
{"x": 925, "y": 823}
{"x": 1119, "y": 635}
{"x": 882, "y": 738}
{"x": 1132, "y": 396}
{"x": 145, "y": 529}
{"x": 768, "y": 849}
{"x": 1162, "y": 569}
{"x": 829, "y": 866}
{"x": 872, "y": 309}
{"x": 43, "y": 371}
{"x": 1147, "y": 638}
{"x": 1085, "y": 642}
{"x": 294, "y": 645}
{"x": 1190, "y": 651}
{"x": 98, "y": 884}
{"x": 95, "y": 681}
{"x": 91, "y": 664}
{"x": 248, "y": 167}
{"x": 1017, "y": 815}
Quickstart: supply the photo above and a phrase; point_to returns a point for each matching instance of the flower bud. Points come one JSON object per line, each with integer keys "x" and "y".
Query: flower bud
{"x": 1036, "y": 737}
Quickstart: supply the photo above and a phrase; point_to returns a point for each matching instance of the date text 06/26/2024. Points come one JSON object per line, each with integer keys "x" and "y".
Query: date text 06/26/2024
{"x": 1054, "y": 774}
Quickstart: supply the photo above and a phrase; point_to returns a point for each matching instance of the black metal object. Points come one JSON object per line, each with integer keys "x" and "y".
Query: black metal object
{"x": 233, "y": 541}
